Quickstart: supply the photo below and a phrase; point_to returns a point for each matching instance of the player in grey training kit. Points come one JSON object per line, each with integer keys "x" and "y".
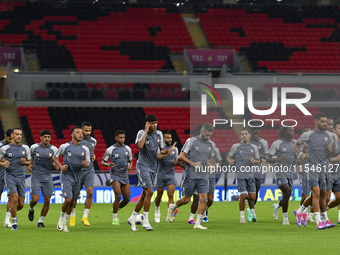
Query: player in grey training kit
{"x": 197, "y": 156}
{"x": 41, "y": 178}
{"x": 284, "y": 168}
{"x": 17, "y": 155}
{"x": 247, "y": 158}
{"x": 121, "y": 157}
{"x": 263, "y": 147}
{"x": 148, "y": 140}
{"x": 166, "y": 174}
{"x": 319, "y": 145}
{"x": 75, "y": 156}
{"x": 87, "y": 175}
{"x": 217, "y": 161}
{"x": 335, "y": 174}
{"x": 7, "y": 140}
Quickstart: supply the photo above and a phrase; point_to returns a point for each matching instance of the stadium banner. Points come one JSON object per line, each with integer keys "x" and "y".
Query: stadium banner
{"x": 12, "y": 55}
{"x": 106, "y": 195}
{"x": 214, "y": 58}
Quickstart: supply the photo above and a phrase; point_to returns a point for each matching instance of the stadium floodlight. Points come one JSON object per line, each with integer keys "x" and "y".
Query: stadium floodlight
{"x": 177, "y": 4}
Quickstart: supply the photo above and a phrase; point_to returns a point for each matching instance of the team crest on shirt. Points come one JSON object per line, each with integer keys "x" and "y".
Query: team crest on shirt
{"x": 147, "y": 142}
{"x": 93, "y": 145}
{"x": 37, "y": 154}
{"x": 209, "y": 148}
{"x": 326, "y": 138}
{"x": 260, "y": 147}
{"x": 116, "y": 155}
{"x": 50, "y": 154}
{"x": 10, "y": 154}
{"x": 126, "y": 153}
{"x": 158, "y": 140}
{"x": 23, "y": 152}
{"x": 83, "y": 153}
{"x": 173, "y": 152}
{"x": 252, "y": 151}
{"x": 197, "y": 148}
{"x": 284, "y": 149}
{"x": 69, "y": 154}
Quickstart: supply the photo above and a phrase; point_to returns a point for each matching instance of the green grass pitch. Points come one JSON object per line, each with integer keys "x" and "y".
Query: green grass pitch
{"x": 224, "y": 236}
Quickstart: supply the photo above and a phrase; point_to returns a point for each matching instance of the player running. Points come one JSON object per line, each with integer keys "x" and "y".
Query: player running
{"x": 7, "y": 140}
{"x": 285, "y": 166}
{"x": 197, "y": 155}
{"x": 121, "y": 157}
{"x": 87, "y": 175}
{"x": 247, "y": 158}
{"x": 166, "y": 174}
{"x": 41, "y": 179}
{"x": 319, "y": 145}
{"x": 76, "y": 156}
{"x": 263, "y": 147}
{"x": 149, "y": 141}
{"x": 17, "y": 156}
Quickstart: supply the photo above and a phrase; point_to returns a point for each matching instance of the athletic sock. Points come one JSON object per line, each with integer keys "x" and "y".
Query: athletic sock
{"x": 41, "y": 219}
{"x": 311, "y": 215}
{"x": 114, "y": 216}
{"x": 192, "y": 215}
{"x": 62, "y": 214}
{"x": 301, "y": 208}
{"x": 146, "y": 217}
{"x": 242, "y": 214}
{"x": 73, "y": 213}
{"x": 14, "y": 220}
{"x": 198, "y": 219}
{"x": 285, "y": 215}
{"x": 32, "y": 209}
{"x": 8, "y": 216}
{"x": 157, "y": 209}
{"x": 174, "y": 207}
{"x": 307, "y": 209}
{"x": 325, "y": 217}
{"x": 133, "y": 215}
{"x": 317, "y": 217}
{"x": 277, "y": 206}
{"x": 66, "y": 218}
{"x": 86, "y": 213}
{"x": 252, "y": 212}
{"x": 338, "y": 214}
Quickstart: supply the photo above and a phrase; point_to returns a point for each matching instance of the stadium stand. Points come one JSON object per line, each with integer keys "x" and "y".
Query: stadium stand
{"x": 78, "y": 35}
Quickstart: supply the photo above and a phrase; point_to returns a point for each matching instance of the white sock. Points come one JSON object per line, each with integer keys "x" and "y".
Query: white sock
{"x": 307, "y": 209}
{"x": 317, "y": 217}
{"x": 114, "y": 216}
{"x": 198, "y": 219}
{"x": 157, "y": 209}
{"x": 146, "y": 217}
{"x": 242, "y": 214}
{"x": 32, "y": 209}
{"x": 301, "y": 208}
{"x": 310, "y": 215}
{"x": 277, "y": 206}
{"x": 133, "y": 215}
{"x": 86, "y": 213}
{"x": 285, "y": 215}
{"x": 325, "y": 217}
{"x": 252, "y": 211}
{"x": 8, "y": 216}
{"x": 174, "y": 207}
{"x": 73, "y": 213}
{"x": 192, "y": 215}
{"x": 14, "y": 220}
{"x": 62, "y": 214}
{"x": 66, "y": 218}
{"x": 41, "y": 219}
{"x": 339, "y": 214}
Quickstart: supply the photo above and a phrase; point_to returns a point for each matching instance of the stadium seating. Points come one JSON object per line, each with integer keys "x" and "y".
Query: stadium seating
{"x": 86, "y": 35}
{"x": 278, "y": 38}
{"x": 107, "y": 91}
